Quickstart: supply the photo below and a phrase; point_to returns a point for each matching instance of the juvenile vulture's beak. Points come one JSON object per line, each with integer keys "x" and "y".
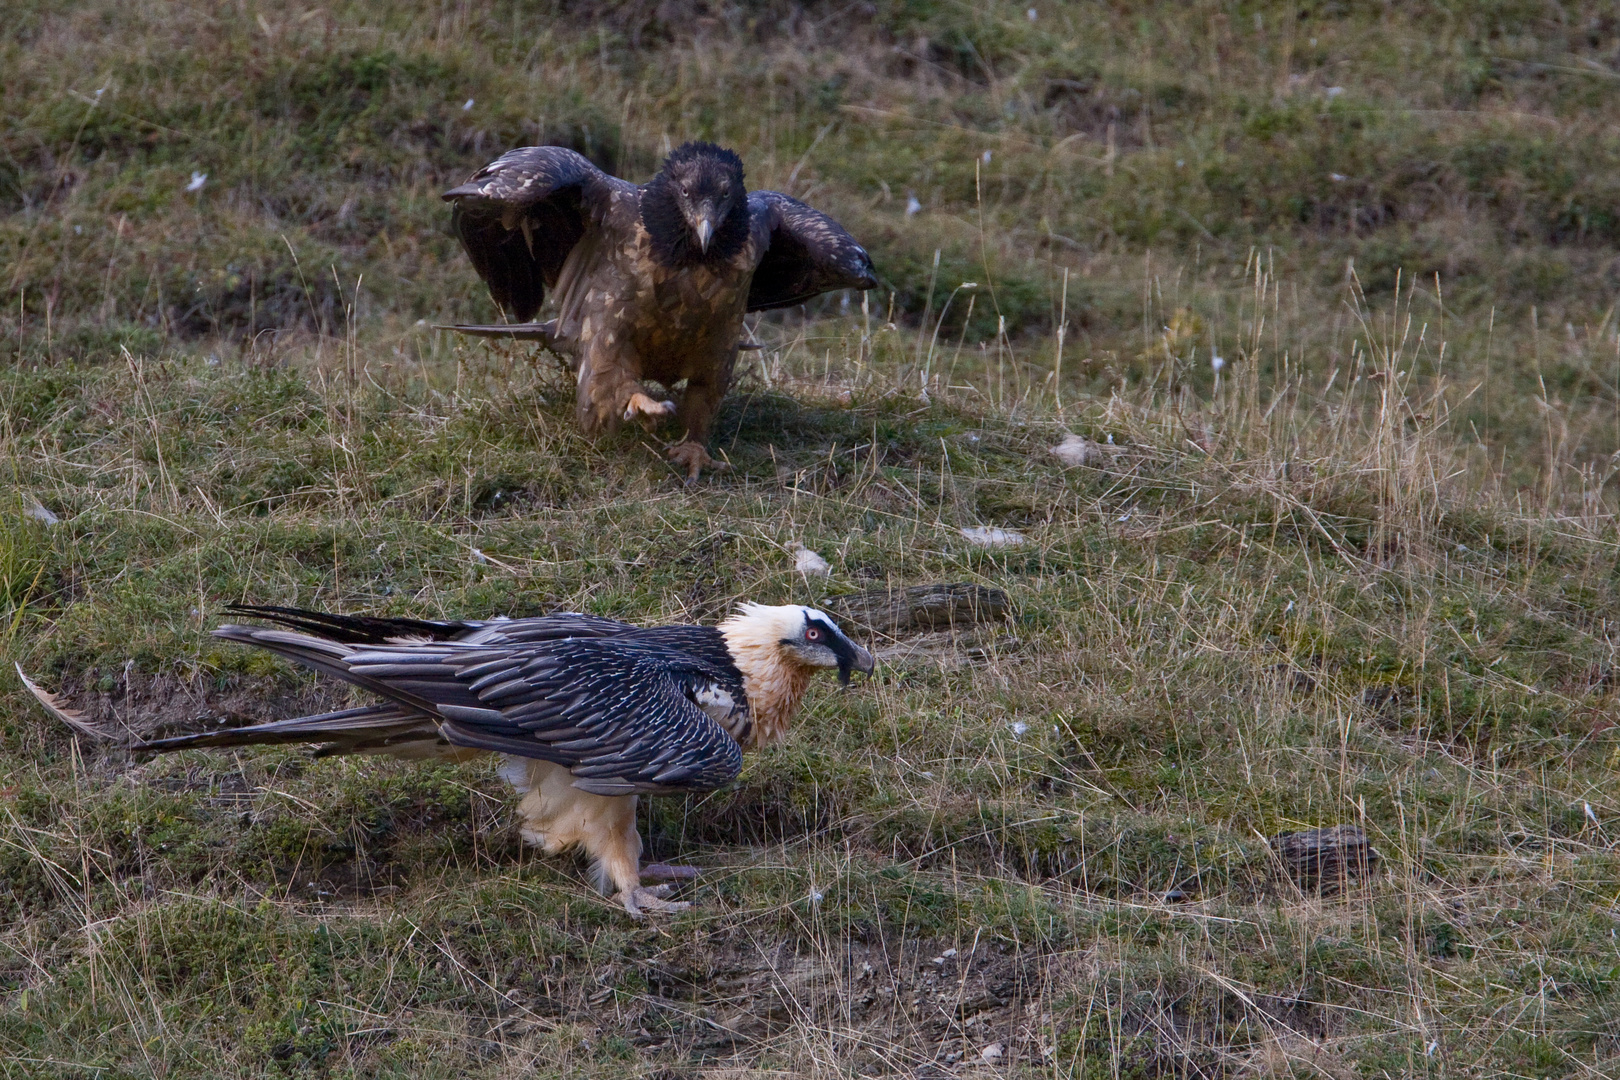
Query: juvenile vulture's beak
{"x": 705, "y": 232}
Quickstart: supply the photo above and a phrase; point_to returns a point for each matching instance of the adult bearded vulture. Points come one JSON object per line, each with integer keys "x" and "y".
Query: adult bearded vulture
{"x": 651, "y": 282}
{"x": 588, "y": 712}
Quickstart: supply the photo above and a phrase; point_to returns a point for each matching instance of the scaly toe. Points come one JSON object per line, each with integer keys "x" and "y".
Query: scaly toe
{"x": 649, "y": 411}
{"x": 694, "y": 458}
{"x": 641, "y": 902}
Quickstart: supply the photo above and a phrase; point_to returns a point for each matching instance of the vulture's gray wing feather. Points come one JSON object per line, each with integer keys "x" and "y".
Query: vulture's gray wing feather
{"x": 383, "y": 630}
{"x": 623, "y": 717}
{"x": 809, "y": 254}
{"x": 520, "y": 216}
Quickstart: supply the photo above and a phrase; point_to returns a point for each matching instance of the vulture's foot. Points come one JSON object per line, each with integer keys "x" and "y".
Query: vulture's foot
{"x": 665, "y": 872}
{"x": 646, "y": 411}
{"x": 694, "y": 458}
{"x": 641, "y": 902}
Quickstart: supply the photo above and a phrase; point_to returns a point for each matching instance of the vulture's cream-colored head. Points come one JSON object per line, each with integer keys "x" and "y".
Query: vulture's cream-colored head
{"x": 801, "y": 635}
{"x": 777, "y": 649}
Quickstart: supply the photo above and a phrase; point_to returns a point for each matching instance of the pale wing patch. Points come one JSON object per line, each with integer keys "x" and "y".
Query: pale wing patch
{"x": 713, "y": 699}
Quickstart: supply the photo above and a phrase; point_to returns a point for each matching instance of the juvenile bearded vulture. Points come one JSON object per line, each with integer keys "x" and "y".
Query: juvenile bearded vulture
{"x": 589, "y": 713}
{"x": 651, "y": 282}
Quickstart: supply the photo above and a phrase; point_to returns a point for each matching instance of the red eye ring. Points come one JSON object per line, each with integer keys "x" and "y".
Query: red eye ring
{"x": 812, "y": 634}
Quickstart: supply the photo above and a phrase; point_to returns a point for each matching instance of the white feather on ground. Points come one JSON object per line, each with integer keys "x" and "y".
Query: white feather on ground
{"x": 991, "y": 537}
{"x": 1076, "y": 451}
{"x": 71, "y": 717}
{"x": 37, "y": 510}
{"x": 808, "y": 563}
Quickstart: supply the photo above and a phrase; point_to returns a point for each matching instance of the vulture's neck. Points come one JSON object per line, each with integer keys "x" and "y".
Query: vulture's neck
{"x": 773, "y": 683}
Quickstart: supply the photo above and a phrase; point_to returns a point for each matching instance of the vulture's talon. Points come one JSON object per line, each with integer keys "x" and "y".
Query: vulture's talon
{"x": 647, "y": 411}
{"x": 641, "y": 902}
{"x": 668, "y": 872}
{"x": 694, "y": 459}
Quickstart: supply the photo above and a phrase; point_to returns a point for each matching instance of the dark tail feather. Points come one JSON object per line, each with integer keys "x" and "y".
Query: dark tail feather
{"x": 543, "y": 332}
{"x": 349, "y": 731}
{"x": 353, "y": 629}
{"x": 325, "y": 655}
{"x": 390, "y": 727}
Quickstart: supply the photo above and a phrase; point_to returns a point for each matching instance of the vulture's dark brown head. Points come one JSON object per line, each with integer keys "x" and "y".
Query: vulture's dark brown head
{"x": 696, "y": 208}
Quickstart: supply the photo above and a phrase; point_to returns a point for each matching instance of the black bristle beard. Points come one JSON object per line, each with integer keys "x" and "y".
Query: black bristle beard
{"x": 673, "y": 241}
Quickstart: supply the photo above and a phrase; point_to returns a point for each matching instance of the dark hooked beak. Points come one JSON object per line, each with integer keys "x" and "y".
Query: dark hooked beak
{"x": 860, "y": 660}
{"x": 705, "y": 230}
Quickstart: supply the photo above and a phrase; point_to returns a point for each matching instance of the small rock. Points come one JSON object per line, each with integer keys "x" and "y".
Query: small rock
{"x": 1076, "y": 451}
{"x": 198, "y": 179}
{"x": 992, "y": 1053}
{"x": 991, "y": 537}
{"x": 808, "y": 563}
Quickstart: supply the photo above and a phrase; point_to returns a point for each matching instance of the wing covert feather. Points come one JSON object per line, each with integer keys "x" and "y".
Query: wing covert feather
{"x": 519, "y": 216}
{"x": 622, "y": 716}
{"x": 809, "y": 254}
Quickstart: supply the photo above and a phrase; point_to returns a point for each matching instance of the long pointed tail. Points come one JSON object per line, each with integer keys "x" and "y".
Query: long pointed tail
{"x": 373, "y": 729}
{"x": 324, "y": 655}
{"x": 404, "y": 724}
{"x": 353, "y": 629}
{"x": 389, "y": 728}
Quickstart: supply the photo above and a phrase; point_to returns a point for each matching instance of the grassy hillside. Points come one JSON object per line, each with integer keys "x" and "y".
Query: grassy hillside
{"x": 1363, "y": 571}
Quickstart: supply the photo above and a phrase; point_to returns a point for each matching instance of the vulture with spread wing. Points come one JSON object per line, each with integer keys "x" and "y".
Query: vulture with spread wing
{"x": 651, "y": 282}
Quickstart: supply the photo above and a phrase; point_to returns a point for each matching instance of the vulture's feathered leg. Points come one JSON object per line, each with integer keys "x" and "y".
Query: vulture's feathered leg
{"x": 609, "y": 393}
{"x": 555, "y": 815}
{"x": 700, "y": 402}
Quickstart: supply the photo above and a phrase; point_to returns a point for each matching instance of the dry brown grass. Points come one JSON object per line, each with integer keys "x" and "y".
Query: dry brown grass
{"x": 1362, "y": 573}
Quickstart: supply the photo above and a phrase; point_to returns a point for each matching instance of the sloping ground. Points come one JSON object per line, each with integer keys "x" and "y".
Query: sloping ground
{"x": 1240, "y": 616}
{"x": 1363, "y": 572}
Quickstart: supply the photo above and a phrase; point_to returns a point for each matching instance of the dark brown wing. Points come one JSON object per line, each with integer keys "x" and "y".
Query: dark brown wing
{"x": 809, "y": 254}
{"x": 520, "y": 216}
